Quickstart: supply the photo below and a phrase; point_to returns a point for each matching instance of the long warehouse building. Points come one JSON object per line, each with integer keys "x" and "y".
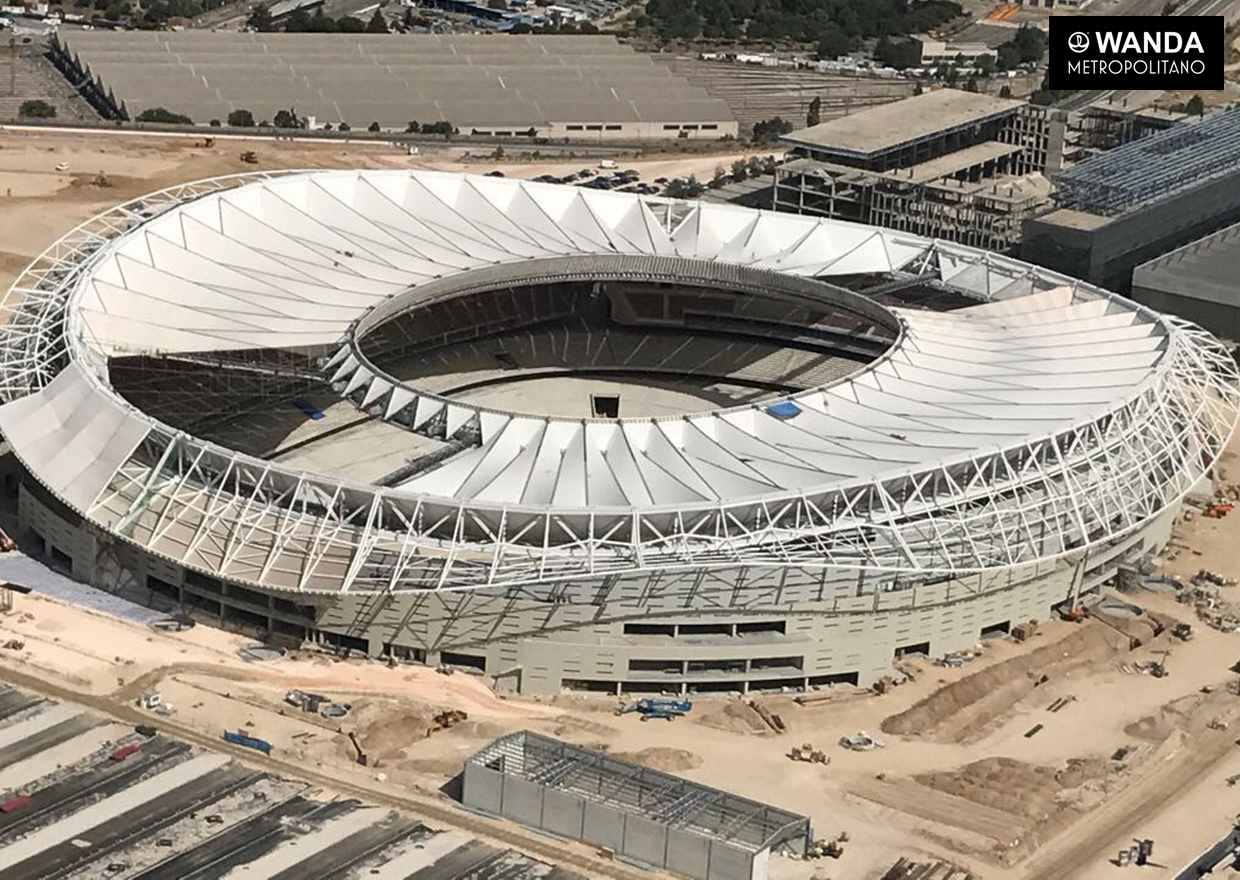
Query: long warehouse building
{"x": 585, "y": 439}
{"x": 576, "y": 87}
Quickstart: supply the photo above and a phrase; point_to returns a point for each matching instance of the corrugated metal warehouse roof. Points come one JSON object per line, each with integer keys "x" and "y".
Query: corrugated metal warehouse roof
{"x": 1205, "y": 269}
{"x": 473, "y": 81}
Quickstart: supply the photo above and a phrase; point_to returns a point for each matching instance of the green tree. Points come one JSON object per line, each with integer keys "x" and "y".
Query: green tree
{"x": 1006, "y": 91}
{"x": 350, "y": 25}
{"x": 36, "y": 109}
{"x": 769, "y": 130}
{"x": 377, "y": 24}
{"x": 497, "y": 4}
{"x": 684, "y": 188}
{"x": 159, "y": 114}
{"x": 374, "y": 126}
{"x": 412, "y": 128}
{"x": 288, "y": 119}
{"x": 1194, "y": 106}
{"x": 443, "y": 127}
{"x": 985, "y": 65}
{"x": 739, "y": 170}
{"x": 344, "y": 126}
{"x": 241, "y": 119}
{"x": 814, "y": 116}
{"x": 260, "y": 18}
{"x": 214, "y": 123}
{"x": 832, "y": 44}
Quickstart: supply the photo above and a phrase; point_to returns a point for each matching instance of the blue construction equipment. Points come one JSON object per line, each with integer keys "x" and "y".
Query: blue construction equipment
{"x": 659, "y": 709}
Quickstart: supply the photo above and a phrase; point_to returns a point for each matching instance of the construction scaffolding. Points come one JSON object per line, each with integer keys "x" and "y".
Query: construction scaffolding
{"x": 638, "y": 813}
{"x": 1153, "y": 168}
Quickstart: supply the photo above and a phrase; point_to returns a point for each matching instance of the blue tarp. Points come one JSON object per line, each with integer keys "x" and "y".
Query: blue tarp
{"x": 784, "y": 410}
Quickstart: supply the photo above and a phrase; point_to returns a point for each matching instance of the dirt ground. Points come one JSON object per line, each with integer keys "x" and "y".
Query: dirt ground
{"x": 38, "y": 203}
{"x": 960, "y": 775}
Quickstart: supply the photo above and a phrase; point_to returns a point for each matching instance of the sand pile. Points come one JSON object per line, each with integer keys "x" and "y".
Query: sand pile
{"x": 661, "y": 758}
{"x": 734, "y": 717}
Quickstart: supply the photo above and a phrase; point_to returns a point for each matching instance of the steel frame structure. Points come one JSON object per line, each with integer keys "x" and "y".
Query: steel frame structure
{"x": 1153, "y": 167}
{"x": 748, "y": 825}
{"x": 1049, "y": 418}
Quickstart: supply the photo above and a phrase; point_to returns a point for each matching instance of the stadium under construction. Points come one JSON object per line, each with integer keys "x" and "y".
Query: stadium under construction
{"x": 586, "y": 439}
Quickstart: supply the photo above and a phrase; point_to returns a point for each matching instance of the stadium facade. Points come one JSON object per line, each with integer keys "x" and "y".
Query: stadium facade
{"x": 346, "y": 407}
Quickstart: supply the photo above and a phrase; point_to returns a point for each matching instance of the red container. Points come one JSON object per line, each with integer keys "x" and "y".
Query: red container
{"x": 12, "y": 805}
{"x": 125, "y": 751}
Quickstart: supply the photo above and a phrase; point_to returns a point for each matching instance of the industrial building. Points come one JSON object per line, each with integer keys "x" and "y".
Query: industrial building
{"x": 1131, "y": 204}
{"x": 584, "y": 439}
{"x": 949, "y": 164}
{"x": 562, "y": 87}
{"x": 1196, "y": 281}
{"x": 638, "y": 813}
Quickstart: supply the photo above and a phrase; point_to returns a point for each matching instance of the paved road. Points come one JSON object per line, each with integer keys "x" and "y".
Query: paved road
{"x": 1219, "y": 854}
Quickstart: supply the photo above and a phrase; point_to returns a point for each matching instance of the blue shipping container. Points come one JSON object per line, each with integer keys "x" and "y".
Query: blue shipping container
{"x": 238, "y": 738}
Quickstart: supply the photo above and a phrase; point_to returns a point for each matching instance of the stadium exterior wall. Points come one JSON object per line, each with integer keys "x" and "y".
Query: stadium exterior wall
{"x": 750, "y": 628}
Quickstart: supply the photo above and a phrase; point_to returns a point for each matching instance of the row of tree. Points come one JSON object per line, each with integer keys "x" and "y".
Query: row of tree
{"x": 1027, "y": 45}
{"x": 838, "y": 26}
{"x": 241, "y": 118}
{"x": 302, "y": 22}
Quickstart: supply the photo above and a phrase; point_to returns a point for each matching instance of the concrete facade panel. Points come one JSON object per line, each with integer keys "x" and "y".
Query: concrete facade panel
{"x": 603, "y": 826}
{"x": 523, "y": 801}
{"x": 688, "y": 854}
{"x": 730, "y": 863}
{"x": 482, "y": 788}
{"x": 645, "y": 840}
{"x": 563, "y": 813}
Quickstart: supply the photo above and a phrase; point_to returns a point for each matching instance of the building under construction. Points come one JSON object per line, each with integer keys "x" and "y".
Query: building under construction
{"x": 639, "y": 814}
{"x": 1126, "y": 206}
{"x": 949, "y": 164}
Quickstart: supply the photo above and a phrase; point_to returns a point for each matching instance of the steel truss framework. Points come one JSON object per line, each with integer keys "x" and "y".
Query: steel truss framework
{"x": 1050, "y": 418}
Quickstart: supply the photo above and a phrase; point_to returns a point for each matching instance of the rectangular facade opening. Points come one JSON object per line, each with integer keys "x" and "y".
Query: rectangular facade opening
{"x": 715, "y": 687}
{"x": 705, "y": 629}
{"x": 163, "y": 588}
{"x": 760, "y": 663}
{"x": 922, "y": 648}
{"x": 605, "y": 406}
{"x": 663, "y": 667}
{"x": 403, "y": 652}
{"x": 777, "y": 684}
{"x": 349, "y": 643}
{"x": 762, "y": 626}
{"x": 725, "y": 666}
{"x": 61, "y": 559}
{"x": 649, "y": 629}
{"x": 997, "y": 630}
{"x": 852, "y": 678}
{"x": 589, "y": 684}
{"x": 472, "y": 661}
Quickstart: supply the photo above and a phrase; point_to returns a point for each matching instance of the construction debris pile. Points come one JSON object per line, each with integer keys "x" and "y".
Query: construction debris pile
{"x": 1211, "y": 608}
{"x": 316, "y": 704}
{"x": 827, "y": 849}
{"x": 906, "y": 869}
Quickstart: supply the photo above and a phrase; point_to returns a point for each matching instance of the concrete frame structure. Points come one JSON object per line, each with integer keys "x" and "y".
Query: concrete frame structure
{"x": 635, "y": 812}
{"x": 966, "y": 168}
{"x": 992, "y": 462}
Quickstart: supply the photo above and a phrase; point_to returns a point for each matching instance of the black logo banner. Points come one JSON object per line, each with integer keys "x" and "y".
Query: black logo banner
{"x": 1135, "y": 52}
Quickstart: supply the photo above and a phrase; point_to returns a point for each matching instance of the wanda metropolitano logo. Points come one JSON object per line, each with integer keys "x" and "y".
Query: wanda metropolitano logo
{"x": 1135, "y": 52}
